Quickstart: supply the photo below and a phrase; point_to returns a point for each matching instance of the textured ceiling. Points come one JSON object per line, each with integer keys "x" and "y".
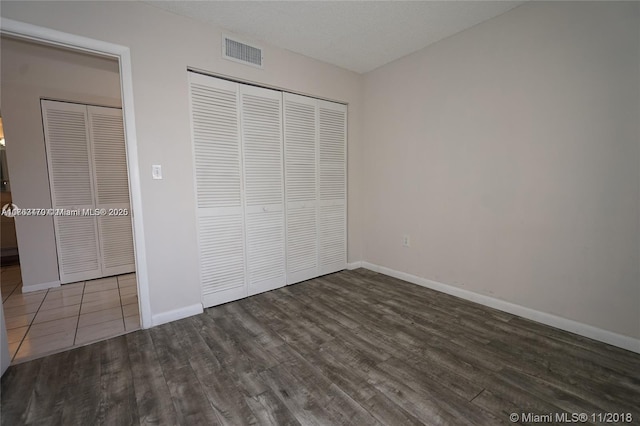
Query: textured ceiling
{"x": 357, "y": 35}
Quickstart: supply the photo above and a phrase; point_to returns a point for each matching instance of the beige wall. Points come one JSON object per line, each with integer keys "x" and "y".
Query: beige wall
{"x": 510, "y": 155}
{"x": 29, "y": 73}
{"x": 162, "y": 46}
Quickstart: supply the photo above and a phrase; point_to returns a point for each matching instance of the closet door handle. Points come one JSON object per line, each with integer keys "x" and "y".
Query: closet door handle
{"x": 265, "y": 209}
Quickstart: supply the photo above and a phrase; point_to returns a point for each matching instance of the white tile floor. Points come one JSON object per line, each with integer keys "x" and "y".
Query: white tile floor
{"x": 48, "y": 321}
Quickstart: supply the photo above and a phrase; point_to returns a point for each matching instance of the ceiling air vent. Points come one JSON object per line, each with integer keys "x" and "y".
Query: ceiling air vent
{"x": 238, "y": 51}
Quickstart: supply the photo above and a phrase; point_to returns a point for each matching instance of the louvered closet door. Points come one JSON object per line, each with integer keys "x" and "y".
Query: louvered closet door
{"x": 71, "y": 180}
{"x": 300, "y": 153}
{"x": 332, "y": 189}
{"x": 218, "y": 175}
{"x": 111, "y": 190}
{"x": 261, "y": 122}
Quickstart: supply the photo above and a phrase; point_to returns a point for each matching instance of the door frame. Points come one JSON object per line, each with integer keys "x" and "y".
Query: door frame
{"x": 48, "y": 36}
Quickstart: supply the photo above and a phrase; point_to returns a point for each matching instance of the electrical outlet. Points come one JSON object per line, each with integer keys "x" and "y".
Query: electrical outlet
{"x": 406, "y": 241}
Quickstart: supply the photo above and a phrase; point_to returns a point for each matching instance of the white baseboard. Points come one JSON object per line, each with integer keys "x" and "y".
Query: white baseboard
{"x": 41, "y": 286}
{"x": 354, "y": 265}
{"x": 615, "y": 339}
{"x": 176, "y": 314}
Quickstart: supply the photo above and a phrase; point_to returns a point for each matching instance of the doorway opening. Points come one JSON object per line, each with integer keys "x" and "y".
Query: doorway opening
{"x": 42, "y": 316}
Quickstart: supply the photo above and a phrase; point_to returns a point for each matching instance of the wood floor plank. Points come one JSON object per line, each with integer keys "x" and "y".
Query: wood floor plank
{"x": 347, "y": 369}
{"x": 427, "y": 410}
{"x": 190, "y": 402}
{"x": 17, "y": 386}
{"x": 118, "y": 399}
{"x": 46, "y": 402}
{"x": 227, "y": 350}
{"x": 153, "y": 398}
{"x": 227, "y": 400}
{"x": 342, "y": 405}
{"x": 344, "y": 377}
{"x": 350, "y": 348}
{"x": 270, "y": 410}
{"x": 504, "y": 402}
{"x": 313, "y": 399}
{"x": 80, "y": 406}
{"x": 423, "y": 375}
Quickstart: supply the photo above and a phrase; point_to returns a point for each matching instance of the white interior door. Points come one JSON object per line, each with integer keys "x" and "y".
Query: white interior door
{"x": 300, "y": 154}
{"x": 111, "y": 185}
{"x": 215, "y": 122}
{"x": 332, "y": 187}
{"x": 261, "y": 123}
{"x": 71, "y": 179}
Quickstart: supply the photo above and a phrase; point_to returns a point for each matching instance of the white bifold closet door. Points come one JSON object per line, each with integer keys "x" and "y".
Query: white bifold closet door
{"x": 261, "y": 122}
{"x": 332, "y": 187}
{"x": 270, "y": 175}
{"x": 301, "y": 183}
{"x": 109, "y": 153}
{"x": 315, "y": 183}
{"x": 86, "y": 157}
{"x": 215, "y": 127}
{"x": 237, "y": 136}
{"x": 71, "y": 179}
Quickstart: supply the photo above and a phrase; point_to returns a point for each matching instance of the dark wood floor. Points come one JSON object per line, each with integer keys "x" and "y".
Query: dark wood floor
{"x": 349, "y": 348}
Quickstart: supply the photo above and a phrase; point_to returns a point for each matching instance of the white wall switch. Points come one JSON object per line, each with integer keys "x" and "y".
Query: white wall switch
{"x": 156, "y": 171}
{"x": 406, "y": 241}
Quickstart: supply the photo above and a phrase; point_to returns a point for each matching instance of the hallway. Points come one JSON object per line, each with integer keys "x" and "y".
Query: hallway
{"x": 48, "y": 321}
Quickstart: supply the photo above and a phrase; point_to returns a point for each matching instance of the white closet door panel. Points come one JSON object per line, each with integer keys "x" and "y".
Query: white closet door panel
{"x": 261, "y": 121}
{"x": 302, "y": 244}
{"x": 300, "y": 141}
{"x": 332, "y": 184}
{"x": 216, "y": 139}
{"x": 71, "y": 180}
{"x": 332, "y": 241}
{"x": 68, "y": 154}
{"x": 300, "y": 145}
{"x": 222, "y": 269}
{"x": 265, "y": 249}
{"x": 116, "y": 244}
{"x": 215, "y": 129}
{"x": 109, "y": 156}
{"x": 115, "y": 232}
{"x": 332, "y": 121}
{"x": 262, "y": 145}
{"x": 78, "y": 252}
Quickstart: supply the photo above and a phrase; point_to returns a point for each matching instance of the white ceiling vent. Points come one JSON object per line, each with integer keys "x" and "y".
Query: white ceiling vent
{"x": 238, "y": 51}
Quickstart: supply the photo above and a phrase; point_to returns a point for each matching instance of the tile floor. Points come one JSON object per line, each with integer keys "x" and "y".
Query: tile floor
{"x": 48, "y": 321}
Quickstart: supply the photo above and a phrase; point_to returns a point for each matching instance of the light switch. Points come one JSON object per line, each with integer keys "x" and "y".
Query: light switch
{"x": 156, "y": 171}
